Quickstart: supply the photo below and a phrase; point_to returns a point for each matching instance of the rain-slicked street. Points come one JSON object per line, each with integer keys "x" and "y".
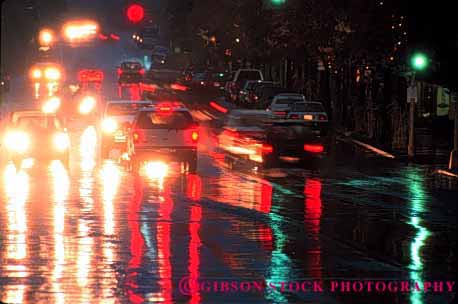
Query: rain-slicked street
{"x": 325, "y": 136}
{"x": 96, "y": 234}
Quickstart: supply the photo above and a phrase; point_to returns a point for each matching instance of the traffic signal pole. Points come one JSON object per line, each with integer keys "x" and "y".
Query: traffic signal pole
{"x": 411, "y": 145}
{"x": 453, "y": 162}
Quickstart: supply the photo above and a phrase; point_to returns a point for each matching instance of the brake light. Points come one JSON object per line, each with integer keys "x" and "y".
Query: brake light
{"x": 294, "y": 116}
{"x": 280, "y": 113}
{"x": 267, "y": 149}
{"x": 136, "y": 137}
{"x": 142, "y": 72}
{"x": 322, "y": 117}
{"x": 316, "y": 148}
{"x": 165, "y": 109}
{"x": 195, "y": 136}
{"x": 114, "y": 37}
{"x": 119, "y": 71}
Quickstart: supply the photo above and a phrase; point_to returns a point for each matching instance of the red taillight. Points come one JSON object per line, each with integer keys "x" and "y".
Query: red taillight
{"x": 142, "y": 72}
{"x": 322, "y": 117}
{"x": 195, "y": 136}
{"x": 119, "y": 71}
{"x": 267, "y": 149}
{"x": 280, "y": 113}
{"x": 103, "y": 37}
{"x": 294, "y": 116}
{"x": 165, "y": 109}
{"x": 316, "y": 148}
{"x": 218, "y": 107}
{"x": 114, "y": 37}
{"x": 136, "y": 137}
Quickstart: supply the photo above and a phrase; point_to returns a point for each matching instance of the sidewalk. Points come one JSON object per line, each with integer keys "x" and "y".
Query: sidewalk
{"x": 371, "y": 145}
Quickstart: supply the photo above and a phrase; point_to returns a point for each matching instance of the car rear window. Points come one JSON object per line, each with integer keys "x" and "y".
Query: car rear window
{"x": 248, "y": 75}
{"x": 308, "y": 107}
{"x": 157, "y": 120}
{"x": 288, "y": 101}
{"x": 124, "y": 109}
{"x": 131, "y": 65}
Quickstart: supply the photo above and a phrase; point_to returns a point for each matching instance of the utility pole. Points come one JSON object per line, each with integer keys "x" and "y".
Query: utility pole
{"x": 453, "y": 162}
{"x": 418, "y": 62}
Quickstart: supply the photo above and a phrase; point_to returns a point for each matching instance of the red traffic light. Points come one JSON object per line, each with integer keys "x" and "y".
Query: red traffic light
{"x": 135, "y": 13}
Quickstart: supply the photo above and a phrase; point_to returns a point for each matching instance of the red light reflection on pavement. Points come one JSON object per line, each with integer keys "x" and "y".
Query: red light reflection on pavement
{"x": 163, "y": 245}
{"x": 194, "y": 187}
{"x": 137, "y": 245}
{"x": 312, "y": 218}
{"x": 194, "y": 252}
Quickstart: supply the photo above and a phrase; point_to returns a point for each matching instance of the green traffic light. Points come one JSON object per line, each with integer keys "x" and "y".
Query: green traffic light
{"x": 278, "y": 2}
{"x": 419, "y": 61}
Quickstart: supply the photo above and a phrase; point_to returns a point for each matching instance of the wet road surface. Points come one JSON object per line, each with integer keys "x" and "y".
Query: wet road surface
{"x": 97, "y": 234}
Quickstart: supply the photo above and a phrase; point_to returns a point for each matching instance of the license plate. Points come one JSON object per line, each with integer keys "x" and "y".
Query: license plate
{"x": 308, "y": 117}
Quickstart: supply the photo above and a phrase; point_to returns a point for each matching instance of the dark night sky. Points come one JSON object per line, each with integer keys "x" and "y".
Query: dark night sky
{"x": 432, "y": 26}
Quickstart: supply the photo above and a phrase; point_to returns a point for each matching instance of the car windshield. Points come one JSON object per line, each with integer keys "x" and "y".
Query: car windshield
{"x": 308, "y": 107}
{"x": 38, "y": 122}
{"x": 167, "y": 120}
{"x": 124, "y": 108}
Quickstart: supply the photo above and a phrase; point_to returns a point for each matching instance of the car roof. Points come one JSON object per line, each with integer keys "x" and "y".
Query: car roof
{"x": 280, "y": 95}
{"x": 305, "y": 102}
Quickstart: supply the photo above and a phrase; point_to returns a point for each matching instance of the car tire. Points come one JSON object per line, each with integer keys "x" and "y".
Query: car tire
{"x": 270, "y": 162}
{"x": 192, "y": 163}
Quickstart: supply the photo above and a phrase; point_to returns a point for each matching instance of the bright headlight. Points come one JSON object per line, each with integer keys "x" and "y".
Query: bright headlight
{"x": 17, "y": 141}
{"x": 52, "y": 73}
{"x": 51, "y": 106}
{"x": 87, "y": 105}
{"x": 61, "y": 141}
{"x": 109, "y": 125}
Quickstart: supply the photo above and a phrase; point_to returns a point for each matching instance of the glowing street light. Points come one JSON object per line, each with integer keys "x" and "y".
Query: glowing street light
{"x": 419, "y": 61}
{"x": 46, "y": 37}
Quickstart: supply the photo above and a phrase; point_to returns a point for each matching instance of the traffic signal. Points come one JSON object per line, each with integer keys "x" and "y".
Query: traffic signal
{"x": 277, "y": 2}
{"x": 419, "y": 61}
{"x": 135, "y": 13}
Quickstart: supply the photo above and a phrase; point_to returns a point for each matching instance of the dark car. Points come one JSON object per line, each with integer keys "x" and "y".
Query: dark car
{"x": 130, "y": 72}
{"x": 264, "y": 95}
